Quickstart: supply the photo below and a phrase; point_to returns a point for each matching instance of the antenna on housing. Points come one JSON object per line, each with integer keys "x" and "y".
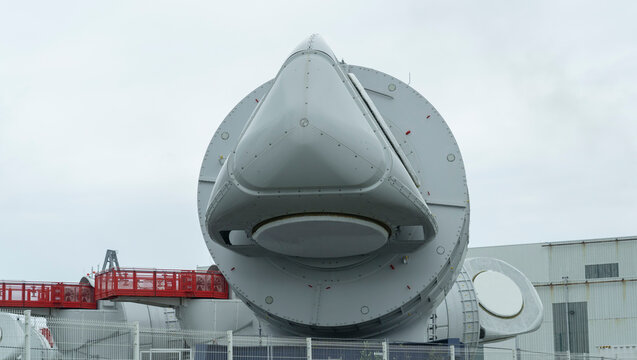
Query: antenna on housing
{"x": 110, "y": 261}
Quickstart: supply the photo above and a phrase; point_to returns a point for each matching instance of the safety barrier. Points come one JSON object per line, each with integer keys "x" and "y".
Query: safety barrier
{"x": 75, "y": 339}
{"x": 160, "y": 283}
{"x": 46, "y": 295}
{"x": 111, "y": 284}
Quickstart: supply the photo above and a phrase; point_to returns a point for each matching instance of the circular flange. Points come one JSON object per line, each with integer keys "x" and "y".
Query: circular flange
{"x": 498, "y": 294}
{"x": 323, "y": 235}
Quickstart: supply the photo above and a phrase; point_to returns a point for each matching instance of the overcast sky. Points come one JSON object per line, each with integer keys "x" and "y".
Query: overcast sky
{"x": 106, "y": 110}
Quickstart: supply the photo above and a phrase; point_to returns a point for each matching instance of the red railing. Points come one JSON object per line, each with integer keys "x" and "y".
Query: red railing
{"x": 123, "y": 282}
{"x": 160, "y": 283}
{"x": 46, "y": 295}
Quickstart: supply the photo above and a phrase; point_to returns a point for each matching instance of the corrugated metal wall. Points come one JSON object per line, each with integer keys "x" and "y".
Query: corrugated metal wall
{"x": 611, "y": 303}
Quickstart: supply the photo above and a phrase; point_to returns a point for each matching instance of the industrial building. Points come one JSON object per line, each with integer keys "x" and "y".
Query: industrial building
{"x": 595, "y": 279}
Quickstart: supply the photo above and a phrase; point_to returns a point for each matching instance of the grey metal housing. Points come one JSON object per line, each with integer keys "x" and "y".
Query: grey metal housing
{"x": 358, "y": 295}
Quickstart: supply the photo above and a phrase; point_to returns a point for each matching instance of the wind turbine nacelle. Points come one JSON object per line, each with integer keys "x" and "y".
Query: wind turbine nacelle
{"x": 333, "y": 199}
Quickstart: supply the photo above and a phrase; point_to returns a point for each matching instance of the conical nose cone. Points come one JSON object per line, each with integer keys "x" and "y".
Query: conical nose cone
{"x": 310, "y": 131}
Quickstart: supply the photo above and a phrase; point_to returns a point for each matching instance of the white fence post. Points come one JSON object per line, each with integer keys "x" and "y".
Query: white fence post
{"x": 308, "y": 348}
{"x": 229, "y": 336}
{"x": 27, "y": 335}
{"x": 385, "y": 350}
{"x": 452, "y": 352}
{"x": 136, "y": 340}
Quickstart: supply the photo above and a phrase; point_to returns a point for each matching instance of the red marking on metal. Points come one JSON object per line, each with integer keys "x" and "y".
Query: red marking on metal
{"x": 408, "y": 132}
{"x": 309, "y": 285}
{"x": 47, "y": 335}
{"x": 391, "y": 266}
{"x": 428, "y": 193}
{"x": 408, "y": 287}
{"x": 257, "y": 100}
{"x": 232, "y": 268}
{"x": 327, "y": 288}
{"x": 428, "y": 116}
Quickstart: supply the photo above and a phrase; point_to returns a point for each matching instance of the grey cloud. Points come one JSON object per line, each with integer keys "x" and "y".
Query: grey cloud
{"x": 106, "y": 110}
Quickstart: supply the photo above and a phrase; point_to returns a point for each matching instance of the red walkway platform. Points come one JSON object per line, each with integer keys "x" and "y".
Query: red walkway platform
{"x": 46, "y": 295}
{"x": 112, "y": 284}
{"x": 160, "y": 283}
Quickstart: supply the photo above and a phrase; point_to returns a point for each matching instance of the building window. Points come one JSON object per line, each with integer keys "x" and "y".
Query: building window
{"x": 597, "y": 271}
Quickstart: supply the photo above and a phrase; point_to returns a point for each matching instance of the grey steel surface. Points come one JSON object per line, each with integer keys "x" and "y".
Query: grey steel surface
{"x": 362, "y": 295}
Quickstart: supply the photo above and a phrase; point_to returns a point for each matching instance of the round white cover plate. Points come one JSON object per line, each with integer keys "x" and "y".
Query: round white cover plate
{"x": 498, "y": 294}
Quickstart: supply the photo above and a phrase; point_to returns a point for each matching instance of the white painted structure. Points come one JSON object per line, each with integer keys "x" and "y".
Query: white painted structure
{"x": 498, "y": 294}
{"x": 333, "y": 198}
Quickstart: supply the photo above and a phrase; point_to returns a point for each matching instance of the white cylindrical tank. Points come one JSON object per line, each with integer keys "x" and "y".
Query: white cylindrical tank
{"x": 12, "y": 338}
{"x": 73, "y": 329}
{"x": 218, "y": 315}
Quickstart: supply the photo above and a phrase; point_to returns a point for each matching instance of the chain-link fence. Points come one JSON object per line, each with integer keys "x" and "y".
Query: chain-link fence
{"x": 37, "y": 338}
